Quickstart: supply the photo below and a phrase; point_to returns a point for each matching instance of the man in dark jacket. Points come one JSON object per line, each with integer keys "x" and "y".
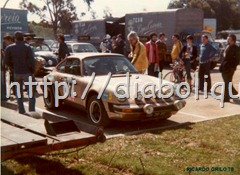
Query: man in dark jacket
{"x": 63, "y": 50}
{"x": 162, "y": 50}
{"x": 207, "y": 51}
{"x": 20, "y": 56}
{"x": 189, "y": 54}
{"x": 229, "y": 65}
{"x": 120, "y": 44}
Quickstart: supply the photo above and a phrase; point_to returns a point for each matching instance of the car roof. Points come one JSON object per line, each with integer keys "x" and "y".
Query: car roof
{"x": 220, "y": 40}
{"x": 71, "y": 43}
{"x": 92, "y": 54}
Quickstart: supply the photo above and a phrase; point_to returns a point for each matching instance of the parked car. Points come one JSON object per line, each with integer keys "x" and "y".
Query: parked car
{"x": 45, "y": 59}
{"x": 109, "y": 107}
{"x": 54, "y": 46}
{"x": 49, "y": 42}
{"x": 77, "y": 47}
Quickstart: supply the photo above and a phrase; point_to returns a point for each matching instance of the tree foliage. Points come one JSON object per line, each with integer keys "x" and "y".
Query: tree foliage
{"x": 107, "y": 13}
{"x": 60, "y": 12}
{"x": 227, "y": 12}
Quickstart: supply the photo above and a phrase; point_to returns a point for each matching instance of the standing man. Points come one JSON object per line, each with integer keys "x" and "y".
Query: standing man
{"x": 19, "y": 55}
{"x": 177, "y": 47}
{"x": 189, "y": 54}
{"x": 8, "y": 40}
{"x": 120, "y": 43}
{"x": 3, "y": 77}
{"x": 162, "y": 50}
{"x": 106, "y": 44}
{"x": 207, "y": 51}
{"x": 63, "y": 50}
{"x": 229, "y": 65}
{"x": 152, "y": 54}
{"x": 138, "y": 54}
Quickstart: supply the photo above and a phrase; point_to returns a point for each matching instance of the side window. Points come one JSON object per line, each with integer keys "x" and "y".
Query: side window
{"x": 61, "y": 67}
{"x": 69, "y": 48}
{"x": 73, "y": 67}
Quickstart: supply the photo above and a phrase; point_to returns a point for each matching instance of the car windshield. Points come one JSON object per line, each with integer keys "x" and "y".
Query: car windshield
{"x": 105, "y": 64}
{"x": 78, "y": 48}
{"x": 41, "y": 47}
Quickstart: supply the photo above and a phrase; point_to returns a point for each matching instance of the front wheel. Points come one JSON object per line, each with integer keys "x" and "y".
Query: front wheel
{"x": 50, "y": 100}
{"x": 96, "y": 112}
{"x": 172, "y": 77}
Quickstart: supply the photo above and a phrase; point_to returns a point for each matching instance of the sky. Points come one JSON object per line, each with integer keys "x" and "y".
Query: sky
{"x": 118, "y": 8}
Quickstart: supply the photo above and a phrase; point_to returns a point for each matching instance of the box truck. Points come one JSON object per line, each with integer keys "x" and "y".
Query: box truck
{"x": 93, "y": 31}
{"x": 181, "y": 21}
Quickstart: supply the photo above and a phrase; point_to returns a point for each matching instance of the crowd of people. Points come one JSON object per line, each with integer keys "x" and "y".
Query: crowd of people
{"x": 20, "y": 70}
{"x": 149, "y": 58}
{"x": 18, "y": 57}
{"x": 116, "y": 44}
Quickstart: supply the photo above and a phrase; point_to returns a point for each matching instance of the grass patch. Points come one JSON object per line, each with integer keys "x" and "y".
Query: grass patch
{"x": 208, "y": 144}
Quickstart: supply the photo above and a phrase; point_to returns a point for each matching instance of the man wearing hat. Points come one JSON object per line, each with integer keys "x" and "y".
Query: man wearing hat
{"x": 7, "y": 41}
{"x": 19, "y": 55}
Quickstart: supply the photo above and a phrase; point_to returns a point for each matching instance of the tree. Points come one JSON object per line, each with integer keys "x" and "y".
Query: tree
{"x": 175, "y": 4}
{"x": 227, "y": 12}
{"x": 93, "y": 14}
{"x": 61, "y": 12}
{"x": 107, "y": 13}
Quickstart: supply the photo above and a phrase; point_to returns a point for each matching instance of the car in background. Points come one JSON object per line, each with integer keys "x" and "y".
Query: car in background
{"x": 77, "y": 47}
{"x": 45, "y": 59}
{"x": 101, "y": 110}
{"x": 222, "y": 46}
{"x": 54, "y": 46}
{"x": 49, "y": 42}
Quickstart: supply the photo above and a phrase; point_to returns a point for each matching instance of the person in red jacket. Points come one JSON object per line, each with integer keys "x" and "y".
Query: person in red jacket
{"x": 152, "y": 55}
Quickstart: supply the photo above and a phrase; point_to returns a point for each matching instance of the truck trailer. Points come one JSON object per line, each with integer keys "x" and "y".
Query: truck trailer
{"x": 187, "y": 21}
{"x": 93, "y": 31}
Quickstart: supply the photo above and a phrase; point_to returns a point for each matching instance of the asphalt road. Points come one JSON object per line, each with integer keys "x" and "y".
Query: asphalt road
{"x": 194, "y": 111}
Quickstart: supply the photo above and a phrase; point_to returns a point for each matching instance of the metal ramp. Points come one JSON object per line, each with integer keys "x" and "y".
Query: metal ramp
{"x": 23, "y": 135}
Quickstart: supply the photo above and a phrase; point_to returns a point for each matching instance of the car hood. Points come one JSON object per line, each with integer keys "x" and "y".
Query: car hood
{"x": 135, "y": 80}
{"x": 47, "y": 55}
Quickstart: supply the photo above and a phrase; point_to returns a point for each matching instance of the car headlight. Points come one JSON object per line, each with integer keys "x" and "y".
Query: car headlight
{"x": 149, "y": 92}
{"x": 139, "y": 96}
{"x": 50, "y": 62}
{"x": 41, "y": 60}
{"x": 148, "y": 109}
{"x": 121, "y": 92}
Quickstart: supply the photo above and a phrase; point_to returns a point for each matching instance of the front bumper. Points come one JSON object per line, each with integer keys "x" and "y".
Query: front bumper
{"x": 131, "y": 112}
{"x": 48, "y": 68}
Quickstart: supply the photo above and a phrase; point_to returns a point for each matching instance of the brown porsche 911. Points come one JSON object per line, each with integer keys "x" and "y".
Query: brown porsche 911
{"x": 109, "y": 88}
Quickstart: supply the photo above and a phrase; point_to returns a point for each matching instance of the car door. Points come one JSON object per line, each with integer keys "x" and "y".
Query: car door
{"x": 72, "y": 70}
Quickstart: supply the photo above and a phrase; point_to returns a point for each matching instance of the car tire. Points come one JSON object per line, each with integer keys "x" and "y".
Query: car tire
{"x": 96, "y": 112}
{"x": 50, "y": 100}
